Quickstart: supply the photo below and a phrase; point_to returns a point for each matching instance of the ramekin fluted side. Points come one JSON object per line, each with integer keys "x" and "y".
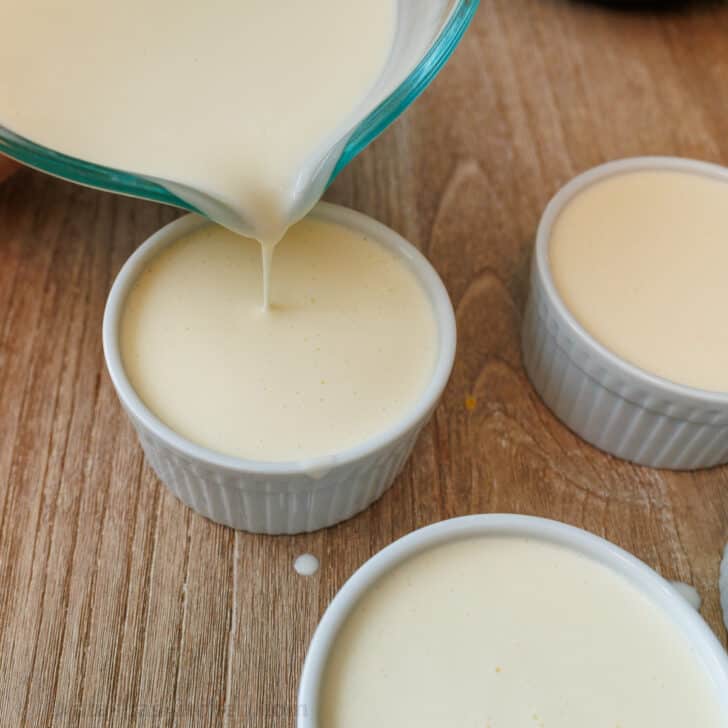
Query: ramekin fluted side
{"x": 270, "y": 504}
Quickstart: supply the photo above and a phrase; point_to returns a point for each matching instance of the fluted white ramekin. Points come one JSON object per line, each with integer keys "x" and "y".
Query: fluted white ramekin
{"x": 291, "y": 497}
{"x": 705, "y": 646}
{"x": 609, "y": 402}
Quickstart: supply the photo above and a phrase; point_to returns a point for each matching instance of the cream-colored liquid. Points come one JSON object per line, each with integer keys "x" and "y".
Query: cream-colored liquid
{"x": 236, "y": 99}
{"x": 640, "y": 259}
{"x": 512, "y": 633}
{"x": 347, "y": 347}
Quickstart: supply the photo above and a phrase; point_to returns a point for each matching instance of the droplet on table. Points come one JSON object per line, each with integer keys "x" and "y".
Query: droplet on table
{"x": 306, "y": 564}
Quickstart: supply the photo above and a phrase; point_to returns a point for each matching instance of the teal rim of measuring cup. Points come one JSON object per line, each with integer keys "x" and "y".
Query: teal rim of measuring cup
{"x": 113, "y": 180}
{"x": 417, "y": 81}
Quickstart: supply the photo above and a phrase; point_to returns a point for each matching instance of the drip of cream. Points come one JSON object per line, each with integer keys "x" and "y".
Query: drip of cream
{"x": 689, "y": 593}
{"x": 266, "y": 251}
{"x": 306, "y": 565}
{"x": 234, "y": 105}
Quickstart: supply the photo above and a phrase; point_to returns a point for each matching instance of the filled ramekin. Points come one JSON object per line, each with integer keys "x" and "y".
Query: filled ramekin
{"x": 658, "y": 591}
{"x": 609, "y": 402}
{"x": 290, "y": 497}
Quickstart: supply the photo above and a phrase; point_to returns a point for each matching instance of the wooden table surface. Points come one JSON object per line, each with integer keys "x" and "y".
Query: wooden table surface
{"x": 119, "y": 606}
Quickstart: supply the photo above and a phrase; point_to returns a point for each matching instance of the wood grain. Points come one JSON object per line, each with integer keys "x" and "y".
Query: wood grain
{"x": 118, "y": 605}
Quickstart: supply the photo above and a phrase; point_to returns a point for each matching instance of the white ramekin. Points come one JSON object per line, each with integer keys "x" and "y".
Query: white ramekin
{"x": 660, "y": 592}
{"x": 609, "y": 402}
{"x": 290, "y": 497}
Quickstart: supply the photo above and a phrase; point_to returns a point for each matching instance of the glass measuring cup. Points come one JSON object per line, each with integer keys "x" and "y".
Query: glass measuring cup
{"x": 426, "y": 35}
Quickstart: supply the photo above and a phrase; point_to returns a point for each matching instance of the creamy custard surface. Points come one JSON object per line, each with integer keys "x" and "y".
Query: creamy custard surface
{"x": 640, "y": 259}
{"x": 345, "y": 350}
{"x": 500, "y": 632}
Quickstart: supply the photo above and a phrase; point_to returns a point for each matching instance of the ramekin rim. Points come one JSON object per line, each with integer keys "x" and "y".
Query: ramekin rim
{"x": 668, "y": 389}
{"x": 645, "y": 579}
{"x": 427, "y": 277}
